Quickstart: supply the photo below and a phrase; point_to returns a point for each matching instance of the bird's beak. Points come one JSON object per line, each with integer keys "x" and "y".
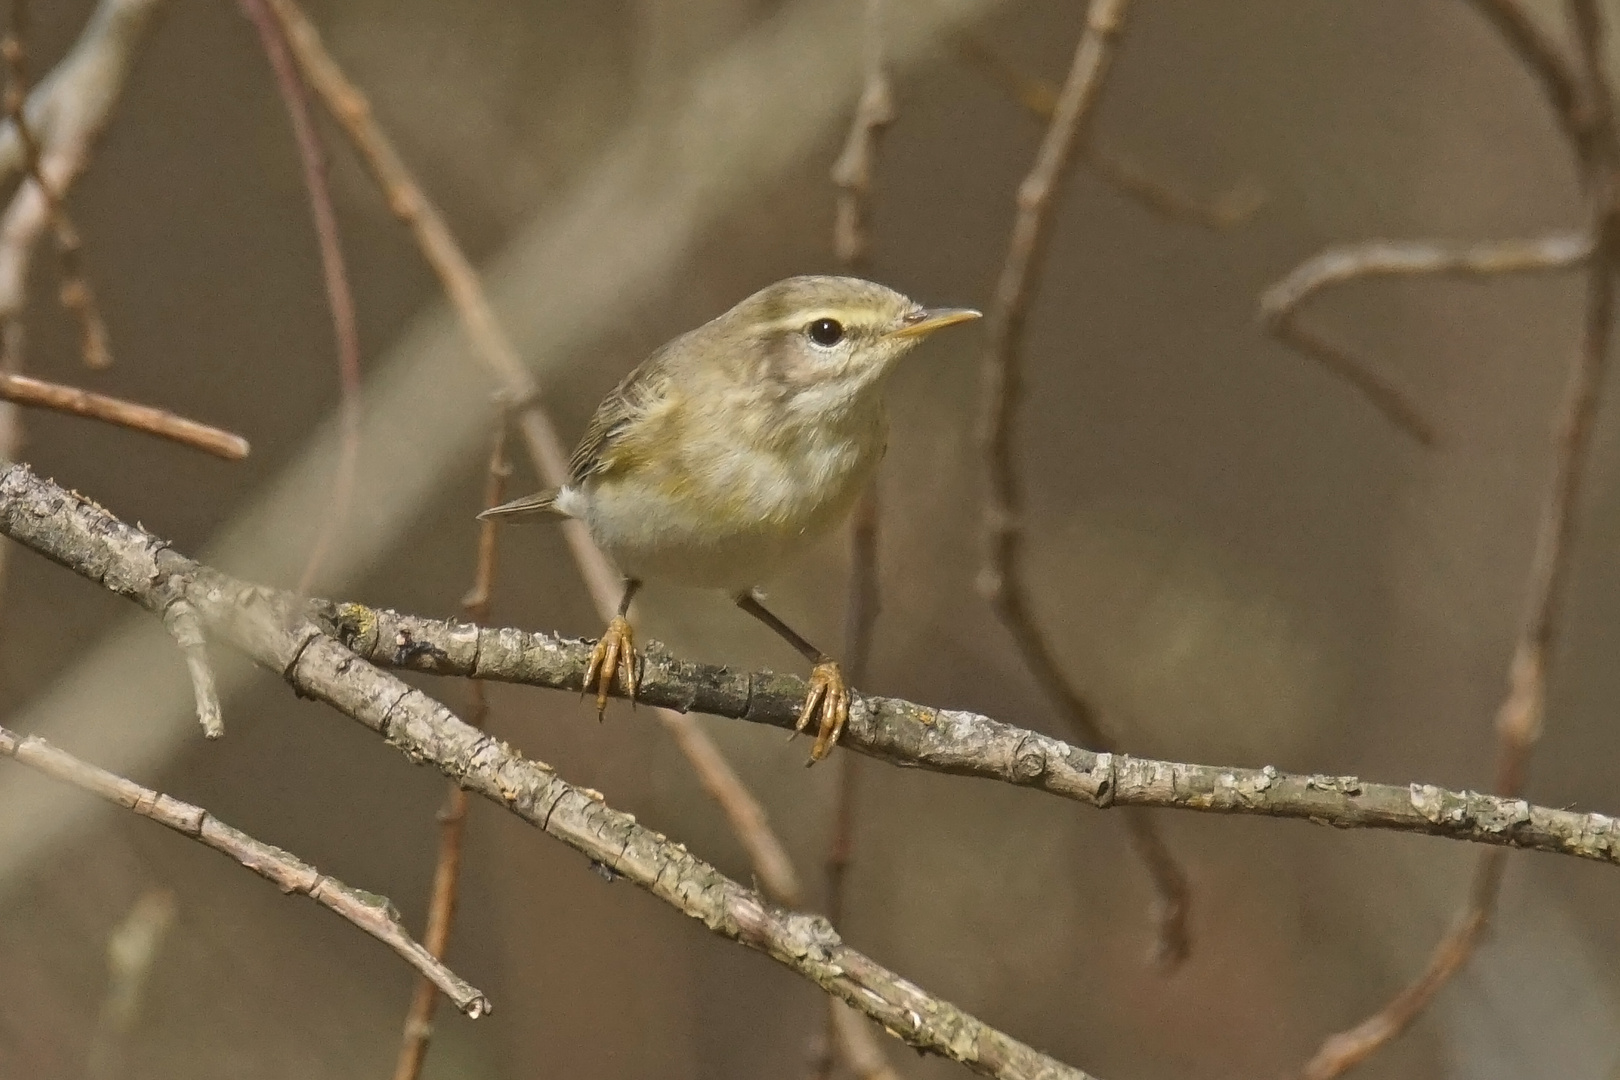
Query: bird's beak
{"x": 925, "y": 321}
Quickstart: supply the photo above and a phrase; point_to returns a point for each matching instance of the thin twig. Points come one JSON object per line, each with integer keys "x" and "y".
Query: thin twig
{"x": 1280, "y": 305}
{"x": 339, "y": 295}
{"x": 453, "y": 818}
{"x": 1227, "y": 210}
{"x": 372, "y": 913}
{"x": 39, "y": 394}
{"x": 181, "y": 622}
{"x": 1002, "y": 580}
{"x": 76, "y": 294}
{"x": 438, "y": 245}
{"x": 1590, "y": 121}
{"x": 1545, "y": 60}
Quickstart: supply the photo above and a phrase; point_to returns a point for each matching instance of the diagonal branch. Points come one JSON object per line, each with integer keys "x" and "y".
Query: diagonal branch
{"x": 39, "y": 394}
{"x": 275, "y": 629}
{"x": 325, "y": 657}
{"x": 372, "y": 913}
{"x": 76, "y": 294}
{"x": 1002, "y": 580}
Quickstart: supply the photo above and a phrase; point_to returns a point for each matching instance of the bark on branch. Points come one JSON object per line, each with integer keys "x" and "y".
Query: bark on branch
{"x": 87, "y": 539}
{"x": 278, "y": 631}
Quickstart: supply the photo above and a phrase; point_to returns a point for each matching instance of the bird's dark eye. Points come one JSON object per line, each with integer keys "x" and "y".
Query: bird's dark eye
{"x": 826, "y": 332}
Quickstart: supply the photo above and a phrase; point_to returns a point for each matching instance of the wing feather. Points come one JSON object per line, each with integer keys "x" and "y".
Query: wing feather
{"x": 597, "y": 452}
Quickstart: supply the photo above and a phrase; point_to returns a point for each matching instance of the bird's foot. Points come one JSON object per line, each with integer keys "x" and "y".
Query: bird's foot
{"x": 828, "y": 702}
{"x": 613, "y": 657}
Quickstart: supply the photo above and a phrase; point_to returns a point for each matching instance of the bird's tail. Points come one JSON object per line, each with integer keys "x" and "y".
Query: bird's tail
{"x": 527, "y": 507}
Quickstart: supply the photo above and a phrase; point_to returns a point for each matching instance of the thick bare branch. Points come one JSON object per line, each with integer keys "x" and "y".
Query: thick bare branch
{"x": 966, "y": 744}
{"x": 80, "y": 535}
{"x": 274, "y": 628}
{"x": 371, "y": 913}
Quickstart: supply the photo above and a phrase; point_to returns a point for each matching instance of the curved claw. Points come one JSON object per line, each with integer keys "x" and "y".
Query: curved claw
{"x": 828, "y": 700}
{"x": 612, "y": 657}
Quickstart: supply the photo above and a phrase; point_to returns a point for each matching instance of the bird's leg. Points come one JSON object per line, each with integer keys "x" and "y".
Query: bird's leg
{"x": 614, "y": 655}
{"x": 828, "y": 699}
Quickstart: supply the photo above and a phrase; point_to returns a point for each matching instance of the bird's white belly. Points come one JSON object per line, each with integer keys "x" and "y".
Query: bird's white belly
{"x": 730, "y": 529}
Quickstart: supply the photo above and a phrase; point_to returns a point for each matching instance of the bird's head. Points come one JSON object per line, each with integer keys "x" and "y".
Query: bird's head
{"x": 826, "y": 340}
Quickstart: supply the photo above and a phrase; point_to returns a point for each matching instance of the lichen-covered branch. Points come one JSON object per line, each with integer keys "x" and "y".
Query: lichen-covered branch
{"x": 276, "y": 630}
{"x": 76, "y": 533}
{"x": 966, "y": 744}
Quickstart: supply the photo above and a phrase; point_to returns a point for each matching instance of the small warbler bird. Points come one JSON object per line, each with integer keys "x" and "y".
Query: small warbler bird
{"x": 735, "y": 446}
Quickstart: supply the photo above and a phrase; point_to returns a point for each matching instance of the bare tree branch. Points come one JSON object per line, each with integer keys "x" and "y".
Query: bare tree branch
{"x": 275, "y": 629}
{"x": 1280, "y": 305}
{"x": 39, "y": 394}
{"x": 78, "y": 534}
{"x": 371, "y": 913}
{"x": 1588, "y": 116}
{"x": 411, "y": 205}
{"x": 1002, "y": 580}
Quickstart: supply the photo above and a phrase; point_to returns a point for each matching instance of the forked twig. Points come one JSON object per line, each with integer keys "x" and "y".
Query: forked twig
{"x": 371, "y": 913}
{"x": 1002, "y": 580}
{"x": 1280, "y": 305}
{"x": 411, "y": 205}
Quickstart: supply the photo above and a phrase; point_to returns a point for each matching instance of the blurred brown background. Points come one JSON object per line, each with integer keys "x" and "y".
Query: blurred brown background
{"x": 1239, "y": 559}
